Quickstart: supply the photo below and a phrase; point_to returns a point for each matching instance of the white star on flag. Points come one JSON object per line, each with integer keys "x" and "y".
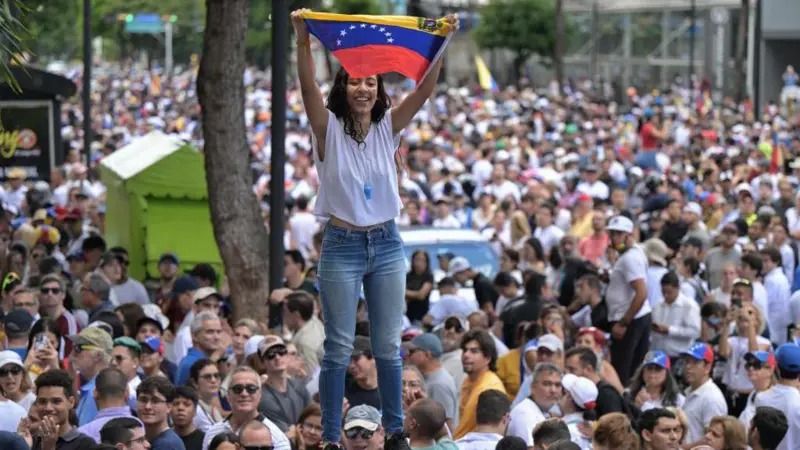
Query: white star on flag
{"x": 382, "y": 29}
{"x": 390, "y": 40}
{"x": 373, "y": 26}
{"x": 363, "y": 25}
{"x": 388, "y": 34}
{"x": 352, "y": 27}
{"x": 338, "y": 42}
{"x": 343, "y": 33}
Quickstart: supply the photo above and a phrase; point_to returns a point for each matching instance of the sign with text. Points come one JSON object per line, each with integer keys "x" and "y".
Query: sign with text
{"x": 26, "y": 138}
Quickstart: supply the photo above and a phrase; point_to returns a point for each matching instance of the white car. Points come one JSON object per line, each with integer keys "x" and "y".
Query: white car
{"x": 460, "y": 242}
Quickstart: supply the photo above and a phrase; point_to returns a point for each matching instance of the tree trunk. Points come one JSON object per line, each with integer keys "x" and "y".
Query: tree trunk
{"x": 558, "y": 52}
{"x": 238, "y": 227}
{"x": 741, "y": 50}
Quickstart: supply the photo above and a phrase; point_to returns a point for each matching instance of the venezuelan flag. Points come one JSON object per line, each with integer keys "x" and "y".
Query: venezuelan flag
{"x": 484, "y": 76}
{"x": 369, "y": 45}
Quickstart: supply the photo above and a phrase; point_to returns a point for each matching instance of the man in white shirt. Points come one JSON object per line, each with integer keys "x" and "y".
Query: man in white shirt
{"x": 548, "y": 234}
{"x": 444, "y": 219}
{"x": 778, "y": 293}
{"x": 449, "y": 304}
{"x": 591, "y": 185}
{"x": 785, "y": 394}
{"x": 676, "y": 320}
{"x": 626, "y": 298}
{"x": 545, "y": 393}
{"x": 491, "y": 415}
{"x": 704, "y": 400}
{"x": 303, "y": 225}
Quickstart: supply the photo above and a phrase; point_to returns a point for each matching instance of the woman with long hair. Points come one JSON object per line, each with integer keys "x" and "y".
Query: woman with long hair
{"x": 205, "y": 379}
{"x": 355, "y": 137}
{"x": 419, "y": 283}
{"x": 43, "y": 353}
{"x": 129, "y": 314}
{"x": 726, "y": 433}
{"x": 614, "y": 432}
{"x": 520, "y": 229}
{"x": 307, "y": 433}
{"x": 653, "y": 385}
{"x": 533, "y": 256}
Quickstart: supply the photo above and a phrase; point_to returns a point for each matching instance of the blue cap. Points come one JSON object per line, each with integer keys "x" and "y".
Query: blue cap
{"x": 764, "y": 357}
{"x": 12, "y": 441}
{"x": 700, "y": 351}
{"x": 18, "y": 320}
{"x": 428, "y": 342}
{"x": 657, "y": 358}
{"x": 153, "y": 343}
{"x": 788, "y": 357}
{"x": 183, "y": 284}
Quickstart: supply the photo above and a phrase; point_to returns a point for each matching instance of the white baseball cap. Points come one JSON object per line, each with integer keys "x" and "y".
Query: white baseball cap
{"x": 582, "y": 390}
{"x": 457, "y": 264}
{"x": 620, "y": 223}
{"x": 551, "y": 342}
{"x": 694, "y": 208}
{"x": 10, "y": 357}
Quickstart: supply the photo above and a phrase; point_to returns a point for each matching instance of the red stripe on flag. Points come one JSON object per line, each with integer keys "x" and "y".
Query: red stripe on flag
{"x": 361, "y": 61}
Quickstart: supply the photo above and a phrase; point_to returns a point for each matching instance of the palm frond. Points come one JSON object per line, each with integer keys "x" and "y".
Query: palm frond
{"x": 11, "y": 32}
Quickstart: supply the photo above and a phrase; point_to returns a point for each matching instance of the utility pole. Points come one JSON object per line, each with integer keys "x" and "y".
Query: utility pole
{"x": 277, "y": 200}
{"x": 86, "y": 92}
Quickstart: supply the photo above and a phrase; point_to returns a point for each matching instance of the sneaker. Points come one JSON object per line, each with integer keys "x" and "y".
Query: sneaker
{"x": 396, "y": 441}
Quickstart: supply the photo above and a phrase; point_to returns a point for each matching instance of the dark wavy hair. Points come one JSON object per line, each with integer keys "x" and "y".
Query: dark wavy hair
{"x": 337, "y": 104}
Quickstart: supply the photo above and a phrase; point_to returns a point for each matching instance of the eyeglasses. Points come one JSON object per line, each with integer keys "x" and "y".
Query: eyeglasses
{"x": 238, "y": 389}
{"x": 257, "y": 447}
{"x": 210, "y": 376}
{"x": 45, "y": 290}
{"x": 144, "y": 400}
{"x": 272, "y": 354}
{"x": 755, "y": 365}
{"x": 13, "y": 370}
{"x": 140, "y": 440}
{"x": 354, "y": 433}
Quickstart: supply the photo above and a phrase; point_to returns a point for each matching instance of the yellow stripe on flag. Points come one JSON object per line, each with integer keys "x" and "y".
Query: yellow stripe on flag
{"x": 439, "y": 27}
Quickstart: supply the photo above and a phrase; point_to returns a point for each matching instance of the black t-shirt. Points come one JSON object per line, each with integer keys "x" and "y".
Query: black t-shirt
{"x": 608, "y": 399}
{"x": 518, "y": 310}
{"x": 673, "y": 232}
{"x": 417, "y": 308}
{"x": 484, "y": 290}
{"x": 193, "y": 440}
{"x": 356, "y": 395}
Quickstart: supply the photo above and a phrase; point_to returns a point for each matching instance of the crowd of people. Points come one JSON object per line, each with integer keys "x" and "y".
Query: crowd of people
{"x": 647, "y": 292}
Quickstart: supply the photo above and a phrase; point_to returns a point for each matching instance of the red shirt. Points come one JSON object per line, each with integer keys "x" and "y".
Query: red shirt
{"x": 593, "y": 248}
{"x": 67, "y": 325}
{"x": 649, "y": 141}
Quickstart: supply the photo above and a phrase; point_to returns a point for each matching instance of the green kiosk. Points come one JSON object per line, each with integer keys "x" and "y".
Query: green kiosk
{"x": 157, "y": 202}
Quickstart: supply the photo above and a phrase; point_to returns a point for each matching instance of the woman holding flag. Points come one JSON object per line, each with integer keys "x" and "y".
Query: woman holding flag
{"x": 355, "y": 141}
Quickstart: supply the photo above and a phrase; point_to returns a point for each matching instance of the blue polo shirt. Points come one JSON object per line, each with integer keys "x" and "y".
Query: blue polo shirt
{"x": 87, "y": 408}
{"x": 192, "y": 356}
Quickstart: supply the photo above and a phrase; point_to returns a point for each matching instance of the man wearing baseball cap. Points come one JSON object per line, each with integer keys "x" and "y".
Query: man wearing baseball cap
{"x": 626, "y": 298}
{"x": 578, "y": 405}
{"x": 721, "y": 255}
{"x": 784, "y": 395}
{"x": 91, "y": 353}
{"x": 362, "y": 428}
{"x": 461, "y": 270}
{"x": 425, "y": 354}
{"x": 704, "y": 400}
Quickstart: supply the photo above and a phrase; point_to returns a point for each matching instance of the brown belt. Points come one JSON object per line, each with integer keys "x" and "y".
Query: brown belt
{"x": 341, "y": 223}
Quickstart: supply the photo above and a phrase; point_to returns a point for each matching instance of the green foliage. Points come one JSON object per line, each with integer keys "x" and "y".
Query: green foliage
{"x": 526, "y": 27}
{"x": 356, "y": 7}
{"x": 12, "y": 31}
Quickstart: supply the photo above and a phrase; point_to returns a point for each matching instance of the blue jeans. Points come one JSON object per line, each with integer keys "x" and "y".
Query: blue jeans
{"x": 348, "y": 259}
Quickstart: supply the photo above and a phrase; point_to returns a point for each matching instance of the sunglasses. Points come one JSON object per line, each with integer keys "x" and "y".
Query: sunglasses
{"x": 755, "y": 365}
{"x": 13, "y": 370}
{"x": 45, "y": 290}
{"x": 239, "y": 388}
{"x": 354, "y": 433}
{"x": 210, "y": 376}
{"x": 272, "y": 354}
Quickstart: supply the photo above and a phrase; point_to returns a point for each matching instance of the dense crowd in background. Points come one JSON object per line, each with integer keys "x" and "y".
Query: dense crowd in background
{"x": 647, "y": 292}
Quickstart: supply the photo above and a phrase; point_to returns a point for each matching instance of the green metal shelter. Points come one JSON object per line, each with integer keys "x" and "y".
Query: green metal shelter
{"x": 157, "y": 202}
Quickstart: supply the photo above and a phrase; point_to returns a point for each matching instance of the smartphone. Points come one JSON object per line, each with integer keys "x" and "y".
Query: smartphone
{"x": 40, "y": 342}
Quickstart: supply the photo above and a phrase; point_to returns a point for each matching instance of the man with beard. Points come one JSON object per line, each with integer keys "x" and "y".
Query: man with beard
{"x": 168, "y": 272}
{"x": 479, "y": 359}
{"x": 452, "y": 332}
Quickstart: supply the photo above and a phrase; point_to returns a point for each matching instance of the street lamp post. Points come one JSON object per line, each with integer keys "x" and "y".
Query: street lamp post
{"x": 277, "y": 201}
{"x": 86, "y": 92}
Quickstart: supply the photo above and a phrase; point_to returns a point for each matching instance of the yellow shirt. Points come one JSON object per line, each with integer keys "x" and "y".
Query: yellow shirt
{"x": 582, "y": 227}
{"x": 508, "y": 371}
{"x": 470, "y": 391}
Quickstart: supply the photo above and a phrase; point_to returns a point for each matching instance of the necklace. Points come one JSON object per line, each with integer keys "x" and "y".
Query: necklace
{"x": 362, "y": 165}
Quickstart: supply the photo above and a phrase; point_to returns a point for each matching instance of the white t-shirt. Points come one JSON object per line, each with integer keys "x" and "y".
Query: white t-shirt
{"x": 735, "y": 376}
{"x": 478, "y": 441}
{"x": 358, "y": 184}
{"x": 631, "y": 266}
{"x": 523, "y": 419}
{"x": 10, "y": 415}
{"x": 303, "y": 226}
{"x": 701, "y": 405}
{"x": 787, "y": 400}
